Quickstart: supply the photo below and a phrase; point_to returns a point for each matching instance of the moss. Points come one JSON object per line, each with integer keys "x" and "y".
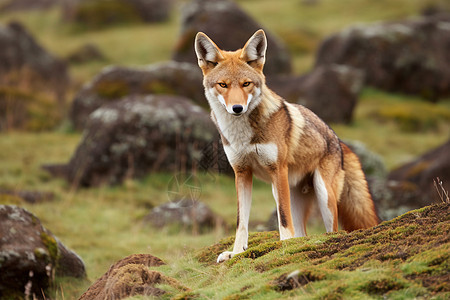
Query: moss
{"x": 157, "y": 87}
{"x": 381, "y": 286}
{"x": 40, "y": 253}
{"x": 112, "y": 89}
{"x": 257, "y": 251}
{"x": 52, "y": 246}
{"x": 209, "y": 254}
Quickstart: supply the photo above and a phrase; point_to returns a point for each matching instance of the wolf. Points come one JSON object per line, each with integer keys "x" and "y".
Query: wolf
{"x": 279, "y": 142}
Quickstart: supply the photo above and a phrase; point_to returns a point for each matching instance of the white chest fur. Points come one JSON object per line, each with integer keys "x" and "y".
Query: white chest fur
{"x": 249, "y": 154}
{"x": 238, "y": 132}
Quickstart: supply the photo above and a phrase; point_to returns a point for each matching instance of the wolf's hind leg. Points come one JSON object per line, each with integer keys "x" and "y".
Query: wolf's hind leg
{"x": 302, "y": 198}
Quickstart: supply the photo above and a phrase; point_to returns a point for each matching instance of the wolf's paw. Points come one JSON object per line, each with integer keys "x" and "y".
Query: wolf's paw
{"x": 224, "y": 256}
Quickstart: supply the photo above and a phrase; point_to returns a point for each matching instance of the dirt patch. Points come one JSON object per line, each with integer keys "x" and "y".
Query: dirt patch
{"x": 131, "y": 276}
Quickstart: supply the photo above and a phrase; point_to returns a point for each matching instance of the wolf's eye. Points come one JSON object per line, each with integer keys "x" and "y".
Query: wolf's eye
{"x": 245, "y": 84}
{"x": 223, "y": 85}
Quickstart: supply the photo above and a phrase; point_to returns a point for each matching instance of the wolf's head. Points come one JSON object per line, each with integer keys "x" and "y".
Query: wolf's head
{"x": 233, "y": 79}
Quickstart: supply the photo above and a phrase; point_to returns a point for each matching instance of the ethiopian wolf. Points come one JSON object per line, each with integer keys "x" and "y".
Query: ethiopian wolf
{"x": 282, "y": 143}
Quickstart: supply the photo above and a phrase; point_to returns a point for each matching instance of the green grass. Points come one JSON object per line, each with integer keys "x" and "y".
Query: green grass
{"x": 105, "y": 224}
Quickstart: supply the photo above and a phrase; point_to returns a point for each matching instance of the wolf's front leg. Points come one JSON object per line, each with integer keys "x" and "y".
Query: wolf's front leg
{"x": 281, "y": 193}
{"x": 244, "y": 197}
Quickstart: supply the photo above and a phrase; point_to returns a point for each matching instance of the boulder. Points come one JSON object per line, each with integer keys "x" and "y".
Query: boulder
{"x": 412, "y": 184}
{"x": 116, "y": 82}
{"x": 95, "y": 14}
{"x": 24, "y": 62}
{"x": 409, "y": 56}
{"x": 131, "y": 276}
{"x": 329, "y": 91}
{"x": 230, "y": 27}
{"x": 30, "y": 256}
{"x": 186, "y": 213}
{"x": 140, "y": 134}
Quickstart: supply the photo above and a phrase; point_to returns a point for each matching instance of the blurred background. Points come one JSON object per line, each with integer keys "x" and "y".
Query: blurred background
{"x": 105, "y": 134}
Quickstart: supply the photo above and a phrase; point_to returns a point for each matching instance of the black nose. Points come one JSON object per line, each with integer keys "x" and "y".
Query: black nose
{"x": 237, "y": 108}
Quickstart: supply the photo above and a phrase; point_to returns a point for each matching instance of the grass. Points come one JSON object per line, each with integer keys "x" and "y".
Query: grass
{"x": 105, "y": 224}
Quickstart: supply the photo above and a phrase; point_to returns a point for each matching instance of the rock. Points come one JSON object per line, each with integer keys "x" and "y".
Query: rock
{"x": 86, "y": 53}
{"x": 219, "y": 18}
{"x": 30, "y": 255}
{"x": 131, "y": 276}
{"x": 409, "y": 56}
{"x": 24, "y": 62}
{"x": 96, "y": 14}
{"x": 186, "y": 214}
{"x": 138, "y": 135}
{"x": 329, "y": 91}
{"x": 412, "y": 184}
{"x": 116, "y": 82}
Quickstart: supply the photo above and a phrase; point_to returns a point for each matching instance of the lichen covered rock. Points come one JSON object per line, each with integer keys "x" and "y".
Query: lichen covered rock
{"x": 142, "y": 134}
{"x": 407, "y": 56}
{"x": 113, "y": 83}
{"x": 30, "y": 255}
{"x": 183, "y": 214}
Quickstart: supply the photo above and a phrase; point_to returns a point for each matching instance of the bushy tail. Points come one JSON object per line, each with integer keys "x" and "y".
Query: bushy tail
{"x": 356, "y": 209}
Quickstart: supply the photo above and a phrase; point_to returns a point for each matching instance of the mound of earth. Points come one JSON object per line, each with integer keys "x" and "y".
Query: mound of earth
{"x": 129, "y": 277}
{"x": 407, "y": 256}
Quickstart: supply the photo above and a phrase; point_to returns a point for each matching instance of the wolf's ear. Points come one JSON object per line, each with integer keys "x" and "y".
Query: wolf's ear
{"x": 254, "y": 51}
{"x": 208, "y": 54}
